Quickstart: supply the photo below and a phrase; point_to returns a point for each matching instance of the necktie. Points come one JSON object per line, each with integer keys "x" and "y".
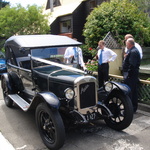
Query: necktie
{"x": 76, "y": 58}
{"x": 75, "y": 52}
{"x": 101, "y": 57}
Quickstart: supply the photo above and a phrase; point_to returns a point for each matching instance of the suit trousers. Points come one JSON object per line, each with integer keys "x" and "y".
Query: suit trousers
{"x": 132, "y": 82}
{"x": 103, "y": 71}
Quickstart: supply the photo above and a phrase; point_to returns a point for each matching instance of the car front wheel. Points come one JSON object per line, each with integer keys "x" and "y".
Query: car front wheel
{"x": 51, "y": 127}
{"x": 121, "y": 107}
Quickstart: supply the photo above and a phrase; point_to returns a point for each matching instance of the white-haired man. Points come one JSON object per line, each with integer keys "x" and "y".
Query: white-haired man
{"x": 130, "y": 67}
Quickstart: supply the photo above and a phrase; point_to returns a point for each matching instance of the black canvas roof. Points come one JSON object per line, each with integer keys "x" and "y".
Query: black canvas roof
{"x": 48, "y": 40}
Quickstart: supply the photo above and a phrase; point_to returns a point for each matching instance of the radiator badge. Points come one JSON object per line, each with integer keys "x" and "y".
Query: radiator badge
{"x": 83, "y": 89}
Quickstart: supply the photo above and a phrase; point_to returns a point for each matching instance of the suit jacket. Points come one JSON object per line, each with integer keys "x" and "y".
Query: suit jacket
{"x": 131, "y": 62}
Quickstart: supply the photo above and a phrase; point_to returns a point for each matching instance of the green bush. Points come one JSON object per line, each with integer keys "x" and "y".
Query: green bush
{"x": 21, "y": 21}
{"x": 92, "y": 65}
{"x": 88, "y": 56}
{"x": 120, "y": 17}
{"x": 88, "y": 52}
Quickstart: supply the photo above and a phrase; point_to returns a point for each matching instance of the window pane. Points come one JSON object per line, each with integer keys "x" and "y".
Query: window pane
{"x": 65, "y": 26}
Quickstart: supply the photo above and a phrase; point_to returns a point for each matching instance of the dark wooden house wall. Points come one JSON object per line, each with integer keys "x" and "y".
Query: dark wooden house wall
{"x": 55, "y": 27}
{"x": 79, "y": 18}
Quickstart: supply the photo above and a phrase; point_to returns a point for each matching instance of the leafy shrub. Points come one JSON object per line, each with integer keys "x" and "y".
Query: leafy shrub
{"x": 88, "y": 56}
{"x": 120, "y": 17}
{"x": 88, "y": 52}
{"x": 92, "y": 65}
{"x": 91, "y": 62}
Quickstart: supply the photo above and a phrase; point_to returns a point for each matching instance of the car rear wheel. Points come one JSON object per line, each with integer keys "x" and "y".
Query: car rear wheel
{"x": 121, "y": 107}
{"x": 51, "y": 127}
{"x": 6, "y": 92}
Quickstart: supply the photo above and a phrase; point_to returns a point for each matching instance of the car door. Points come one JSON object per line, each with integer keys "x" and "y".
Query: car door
{"x": 25, "y": 74}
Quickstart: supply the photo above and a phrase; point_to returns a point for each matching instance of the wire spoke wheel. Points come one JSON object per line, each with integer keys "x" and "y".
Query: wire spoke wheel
{"x": 121, "y": 107}
{"x": 117, "y": 108}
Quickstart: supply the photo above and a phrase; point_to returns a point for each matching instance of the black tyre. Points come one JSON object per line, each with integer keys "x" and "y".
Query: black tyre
{"x": 121, "y": 107}
{"x": 6, "y": 92}
{"x": 51, "y": 127}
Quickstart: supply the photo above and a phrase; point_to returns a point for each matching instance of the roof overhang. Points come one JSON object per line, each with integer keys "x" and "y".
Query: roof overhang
{"x": 63, "y": 10}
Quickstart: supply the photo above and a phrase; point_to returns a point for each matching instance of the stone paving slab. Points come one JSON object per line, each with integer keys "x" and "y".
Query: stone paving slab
{"x": 4, "y": 143}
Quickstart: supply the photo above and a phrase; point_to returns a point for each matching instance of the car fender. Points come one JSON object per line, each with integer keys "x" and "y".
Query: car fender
{"x": 50, "y": 98}
{"x": 122, "y": 88}
{"x": 17, "y": 83}
{"x": 8, "y": 80}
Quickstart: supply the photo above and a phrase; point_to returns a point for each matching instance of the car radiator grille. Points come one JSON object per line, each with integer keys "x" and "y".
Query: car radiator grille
{"x": 87, "y": 95}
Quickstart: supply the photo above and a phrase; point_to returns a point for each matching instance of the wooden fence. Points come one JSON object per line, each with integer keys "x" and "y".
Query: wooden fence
{"x": 143, "y": 88}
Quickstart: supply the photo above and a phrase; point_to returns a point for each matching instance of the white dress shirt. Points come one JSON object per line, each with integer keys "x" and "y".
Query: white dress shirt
{"x": 108, "y": 55}
{"x": 70, "y": 51}
{"x": 139, "y": 49}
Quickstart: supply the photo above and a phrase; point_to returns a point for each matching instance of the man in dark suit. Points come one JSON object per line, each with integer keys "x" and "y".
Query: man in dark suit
{"x": 131, "y": 65}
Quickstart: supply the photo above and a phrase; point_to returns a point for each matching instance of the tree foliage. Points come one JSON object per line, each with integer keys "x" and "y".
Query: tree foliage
{"x": 19, "y": 21}
{"x": 143, "y": 5}
{"x": 120, "y": 17}
{"x": 3, "y": 4}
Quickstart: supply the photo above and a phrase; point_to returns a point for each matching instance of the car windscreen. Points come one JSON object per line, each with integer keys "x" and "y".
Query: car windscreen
{"x": 55, "y": 54}
{"x": 50, "y": 60}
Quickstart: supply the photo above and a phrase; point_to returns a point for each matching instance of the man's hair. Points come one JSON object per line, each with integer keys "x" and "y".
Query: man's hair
{"x": 131, "y": 41}
{"x": 128, "y": 36}
{"x": 102, "y": 42}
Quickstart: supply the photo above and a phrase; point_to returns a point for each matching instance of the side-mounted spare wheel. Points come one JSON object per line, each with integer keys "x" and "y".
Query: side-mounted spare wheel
{"x": 50, "y": 125}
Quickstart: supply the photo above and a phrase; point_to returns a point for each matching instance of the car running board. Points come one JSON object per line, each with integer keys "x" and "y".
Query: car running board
{"x": 19, "y": 101}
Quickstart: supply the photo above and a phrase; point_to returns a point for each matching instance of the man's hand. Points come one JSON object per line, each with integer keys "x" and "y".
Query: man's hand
{"x": 125, "y": 55}
{"x": 84, "y": 68}
{"x": 71, "y": 56}
{"x": 88, "y": 72}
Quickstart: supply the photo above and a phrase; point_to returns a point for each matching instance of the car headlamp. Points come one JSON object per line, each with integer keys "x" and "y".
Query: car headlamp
{"x": 108, "y": 86}
{"x": 69, "y": 93}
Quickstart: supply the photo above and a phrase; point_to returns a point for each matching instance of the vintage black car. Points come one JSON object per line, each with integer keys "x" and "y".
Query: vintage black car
{"x": 37, "y": 78}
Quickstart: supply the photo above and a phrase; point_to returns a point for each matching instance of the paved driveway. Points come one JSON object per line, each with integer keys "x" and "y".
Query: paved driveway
{"x": 20, "y": 130}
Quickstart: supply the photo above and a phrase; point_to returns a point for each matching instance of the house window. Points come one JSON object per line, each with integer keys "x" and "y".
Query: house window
{"x": 65, "y": 26}
{"x": 56, "y": 3}
{"x": 92, "y": 4}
